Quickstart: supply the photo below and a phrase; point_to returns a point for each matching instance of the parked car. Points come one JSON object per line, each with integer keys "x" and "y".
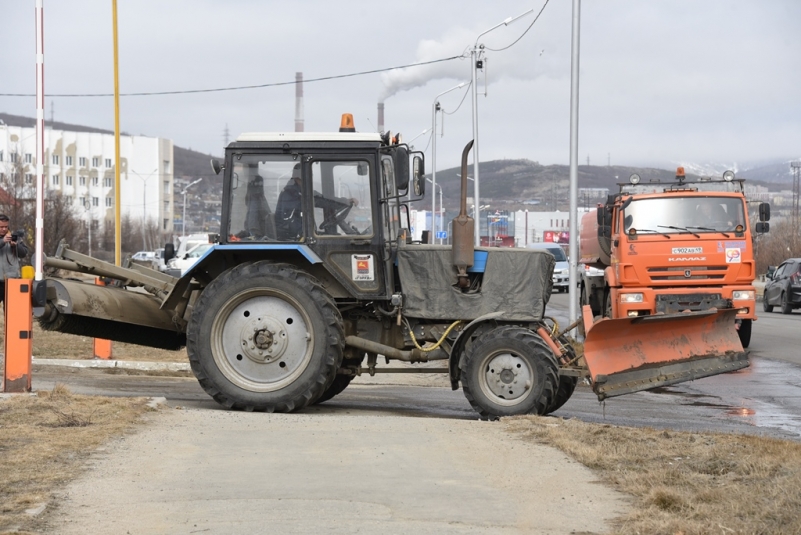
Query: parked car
{"x": 144, "y": 256}
{"x": 561, "y": 272}
{"x": 783, "y": 287}
{"x": 179, "y": 265}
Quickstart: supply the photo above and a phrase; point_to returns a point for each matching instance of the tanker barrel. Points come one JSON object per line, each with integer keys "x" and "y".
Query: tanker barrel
{"x": 463, "y": 247}
{"x": 594, "y": 243}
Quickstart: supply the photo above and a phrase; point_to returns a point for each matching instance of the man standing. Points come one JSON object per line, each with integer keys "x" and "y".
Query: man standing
{"x": 12, "y": 249}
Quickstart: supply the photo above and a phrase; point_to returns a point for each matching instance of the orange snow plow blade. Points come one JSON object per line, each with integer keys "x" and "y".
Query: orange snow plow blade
{"x": 631, "y": 354}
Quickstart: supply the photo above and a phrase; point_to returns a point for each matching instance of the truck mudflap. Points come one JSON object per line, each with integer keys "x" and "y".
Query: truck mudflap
{"x": 632, "y": 354}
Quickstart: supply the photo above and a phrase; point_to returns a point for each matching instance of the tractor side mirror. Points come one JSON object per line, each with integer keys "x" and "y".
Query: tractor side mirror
{"x": 401, "y": 168}
{"x": 764, "y": 212}
{"x": 418, "y": 166}
{"x": 216, "y": 167}
{"x": 419, "y": 185}
{"x": 169, "y": 251}
{"x": 762, "y": 227}
{"x": 362, "y": 169}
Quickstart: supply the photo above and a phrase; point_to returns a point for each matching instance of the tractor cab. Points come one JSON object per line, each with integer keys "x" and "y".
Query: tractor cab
{"x": 338, "y": 197}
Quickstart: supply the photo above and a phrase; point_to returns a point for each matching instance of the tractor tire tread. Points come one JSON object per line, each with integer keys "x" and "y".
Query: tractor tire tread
{"x": 334, "y": 336}
{"x": 536, "y": 345}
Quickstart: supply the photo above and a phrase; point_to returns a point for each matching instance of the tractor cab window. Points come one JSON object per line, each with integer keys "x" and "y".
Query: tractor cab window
{"x": 259, "y": 209}
{"x": 342, "y": 198}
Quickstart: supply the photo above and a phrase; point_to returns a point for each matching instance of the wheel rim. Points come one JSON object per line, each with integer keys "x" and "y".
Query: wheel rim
{"x": 261, "y": 341}
{"x": 506, "y": 378}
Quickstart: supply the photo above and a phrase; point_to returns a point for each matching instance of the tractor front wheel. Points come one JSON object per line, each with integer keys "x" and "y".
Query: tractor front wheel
{"x": 509, "y": 371}
{"x": 265, "y": 337}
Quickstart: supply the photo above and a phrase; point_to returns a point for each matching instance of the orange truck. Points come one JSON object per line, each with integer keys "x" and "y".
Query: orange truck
{"x": 667, "y": 248}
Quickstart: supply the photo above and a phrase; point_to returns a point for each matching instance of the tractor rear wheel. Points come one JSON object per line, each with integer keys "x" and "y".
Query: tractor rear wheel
{"x": 340, "y": 383}
{"x": 265, "y": 337}
{"x": 567, "y": 384}
{"x": 509, "y": 371}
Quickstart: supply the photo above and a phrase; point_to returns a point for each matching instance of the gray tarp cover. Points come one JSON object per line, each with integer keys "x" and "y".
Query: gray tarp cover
{"x": 517, "y": 282}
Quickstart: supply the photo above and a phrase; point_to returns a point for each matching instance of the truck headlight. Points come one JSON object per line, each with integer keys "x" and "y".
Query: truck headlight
{"x": 739, "y": 295}
{"x": 631, "y": 298}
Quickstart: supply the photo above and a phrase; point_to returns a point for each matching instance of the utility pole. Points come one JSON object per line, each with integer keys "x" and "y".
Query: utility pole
{"x": 796, "y": 168}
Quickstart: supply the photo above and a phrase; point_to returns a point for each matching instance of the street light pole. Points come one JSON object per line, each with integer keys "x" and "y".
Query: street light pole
{"x": 434, "y": 226}
{"x": 476, "y": 53}
{"x": 183, "y": 218}
{"x": 434, "y": 108}
{"x": 144, "y": 204}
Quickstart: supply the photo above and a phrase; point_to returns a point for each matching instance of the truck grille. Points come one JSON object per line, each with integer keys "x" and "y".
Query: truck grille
{"x": 677, "y": 273}
{"x": 672, "y": 303}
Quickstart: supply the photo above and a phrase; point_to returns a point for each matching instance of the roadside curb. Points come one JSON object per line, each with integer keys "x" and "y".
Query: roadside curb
{"x": 123, "y": 364}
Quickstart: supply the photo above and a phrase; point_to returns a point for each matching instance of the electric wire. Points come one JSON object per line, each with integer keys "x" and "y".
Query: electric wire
{"x": 238, "y": 88}
{"x": 524, "y": 33}
{"x": 461, "y": 102}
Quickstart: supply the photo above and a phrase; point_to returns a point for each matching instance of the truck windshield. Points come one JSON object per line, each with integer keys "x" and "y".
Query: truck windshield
{"x": 683, "y": 215}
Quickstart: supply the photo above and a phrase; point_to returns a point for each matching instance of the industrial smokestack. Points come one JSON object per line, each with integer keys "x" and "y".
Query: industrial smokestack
{"x": 298, "y": 102}
{"x": 380, "y": 116}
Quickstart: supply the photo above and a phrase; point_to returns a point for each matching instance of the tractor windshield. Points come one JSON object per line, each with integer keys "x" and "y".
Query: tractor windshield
{"x": 682, "y": 215}
{"x": 267, "y": 198}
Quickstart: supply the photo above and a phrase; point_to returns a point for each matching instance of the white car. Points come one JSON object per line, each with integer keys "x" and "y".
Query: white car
{"x": 185, "y": 262}
{"x": 561, "y": 271}
{"x": 144, "y": 256}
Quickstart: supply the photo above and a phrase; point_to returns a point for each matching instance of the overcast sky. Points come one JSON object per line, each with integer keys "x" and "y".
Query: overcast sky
{"x": 662, "y": 82}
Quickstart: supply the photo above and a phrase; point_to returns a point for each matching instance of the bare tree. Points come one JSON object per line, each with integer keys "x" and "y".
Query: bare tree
{"x": 781, "y": 243}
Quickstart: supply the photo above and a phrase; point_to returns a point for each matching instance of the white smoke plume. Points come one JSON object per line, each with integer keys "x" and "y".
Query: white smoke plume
{"x": 526, "y": 60}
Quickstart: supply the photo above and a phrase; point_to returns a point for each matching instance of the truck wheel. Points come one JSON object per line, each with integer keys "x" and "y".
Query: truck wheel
{"x": 787, "y": 308}
{"x": 265, "y": 337}
{"x": 744, "y": 332}
{"x": 509, "y": 371}
{"x": 765, "y": 305}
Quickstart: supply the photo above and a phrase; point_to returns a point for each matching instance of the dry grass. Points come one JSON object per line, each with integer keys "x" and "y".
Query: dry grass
{"x": 44, "y": 442}
{"x": 53, "y": 345}
{"x": 684, "y": 483}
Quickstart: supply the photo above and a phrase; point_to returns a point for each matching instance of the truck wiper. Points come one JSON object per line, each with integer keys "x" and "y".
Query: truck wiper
{"x": 680, "y": 228}
{"x": 711, "y": 230}
{"x": 651, "y": 230}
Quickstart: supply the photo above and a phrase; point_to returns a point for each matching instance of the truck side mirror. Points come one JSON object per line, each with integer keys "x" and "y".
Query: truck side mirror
{"x": 762, "y": 227}
{"x": 764, "y": 212}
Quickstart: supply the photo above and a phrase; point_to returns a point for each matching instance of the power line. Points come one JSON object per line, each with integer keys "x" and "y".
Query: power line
{"x": 237, "y": 88}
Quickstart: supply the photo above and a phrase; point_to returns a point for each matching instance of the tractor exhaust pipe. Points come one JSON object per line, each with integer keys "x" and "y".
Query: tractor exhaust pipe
{"x": 463, "y": 230}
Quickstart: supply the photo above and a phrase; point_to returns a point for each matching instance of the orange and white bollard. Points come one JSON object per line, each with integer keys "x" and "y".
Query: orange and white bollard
{"x": 102, "y": 348}
{"x": 18, "y": 339}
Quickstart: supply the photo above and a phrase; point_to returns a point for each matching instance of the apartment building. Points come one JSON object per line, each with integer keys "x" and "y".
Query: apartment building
{"x": 80, "y": 166}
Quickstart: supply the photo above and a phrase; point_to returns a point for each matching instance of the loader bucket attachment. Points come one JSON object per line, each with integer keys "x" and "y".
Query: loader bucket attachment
{"x": 631, "y": 354}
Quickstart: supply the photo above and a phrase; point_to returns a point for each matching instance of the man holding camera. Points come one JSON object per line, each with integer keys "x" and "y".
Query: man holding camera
{"x": 12, "y": 249}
